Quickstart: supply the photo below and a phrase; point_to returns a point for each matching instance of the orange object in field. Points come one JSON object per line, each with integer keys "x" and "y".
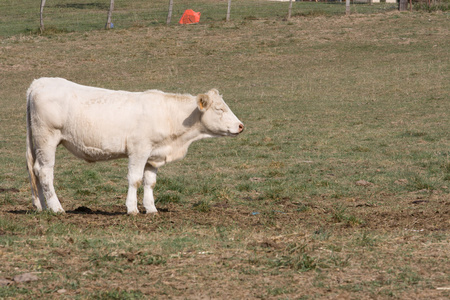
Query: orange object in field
{"x": 189, "y": 16}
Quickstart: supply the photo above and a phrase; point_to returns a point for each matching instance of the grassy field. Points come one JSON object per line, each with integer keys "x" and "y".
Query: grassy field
{"x": 84, "y": 15}
{"x": 338, "y": 189}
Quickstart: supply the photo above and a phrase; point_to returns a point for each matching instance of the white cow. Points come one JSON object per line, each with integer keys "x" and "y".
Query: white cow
{"x": 151, "y": 128}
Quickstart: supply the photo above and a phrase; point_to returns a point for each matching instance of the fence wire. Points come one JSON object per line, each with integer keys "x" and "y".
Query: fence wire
{"x": 18, "y": 17}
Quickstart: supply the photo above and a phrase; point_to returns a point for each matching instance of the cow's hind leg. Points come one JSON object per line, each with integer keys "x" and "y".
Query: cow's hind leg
{"x": 136, "y": 167}
{"x": 43, "y": 168}
{"x": 37, "y": 194}
{"x": 149, "y": 184}
{"x": 39, "y": 199}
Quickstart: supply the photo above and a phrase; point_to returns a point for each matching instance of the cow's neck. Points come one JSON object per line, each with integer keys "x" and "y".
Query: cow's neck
{"x": 186, "y": 129}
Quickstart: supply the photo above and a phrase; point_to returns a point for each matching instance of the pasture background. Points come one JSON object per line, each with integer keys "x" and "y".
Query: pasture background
{"x": 62, "y": 15}
{"x": 338, "y": 187}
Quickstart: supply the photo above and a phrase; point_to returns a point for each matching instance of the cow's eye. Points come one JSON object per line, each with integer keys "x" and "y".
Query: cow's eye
{"x": 219, "y": 109}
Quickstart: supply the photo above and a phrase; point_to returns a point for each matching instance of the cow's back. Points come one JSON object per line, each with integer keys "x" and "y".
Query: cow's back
{"x": 95, "y": 123}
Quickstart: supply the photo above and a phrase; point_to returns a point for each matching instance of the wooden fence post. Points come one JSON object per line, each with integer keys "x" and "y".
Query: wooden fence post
{"x": 169, "y": 16}
{"x": 108, "y": 19}
{"x": 41, "y": 23}
{"x": 290, "y": 9}
{"x": 403, "y": 5}
{"x": 228, "y": 11}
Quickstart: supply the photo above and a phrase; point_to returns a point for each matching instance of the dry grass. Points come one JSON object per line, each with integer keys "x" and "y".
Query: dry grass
{"x": 273, "y": 214}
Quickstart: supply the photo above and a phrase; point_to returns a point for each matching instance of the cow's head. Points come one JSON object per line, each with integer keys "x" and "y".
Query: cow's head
{"x": 217, "y": 117}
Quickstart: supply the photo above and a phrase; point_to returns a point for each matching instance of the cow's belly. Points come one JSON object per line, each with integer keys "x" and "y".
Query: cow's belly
{"x": 95, "y": 139}
{"x": 92, "y": 153}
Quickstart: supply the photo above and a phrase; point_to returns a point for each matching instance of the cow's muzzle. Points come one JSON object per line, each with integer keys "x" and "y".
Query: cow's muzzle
{"x": 241, "y": 128}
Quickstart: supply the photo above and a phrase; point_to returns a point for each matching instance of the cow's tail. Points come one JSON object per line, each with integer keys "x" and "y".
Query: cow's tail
{"x": 30, "y": 153}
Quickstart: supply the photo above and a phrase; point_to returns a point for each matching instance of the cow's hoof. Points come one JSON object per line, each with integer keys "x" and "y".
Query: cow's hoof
{"x": 152, "y": 212}
{"x": 37, "y": 206}
{"x": 133, "y": 213}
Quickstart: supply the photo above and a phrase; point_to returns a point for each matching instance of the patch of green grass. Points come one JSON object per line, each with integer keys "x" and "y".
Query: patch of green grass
{"x": 203, "y": 206}
{"x": 8, "y": 199}
{"x": 8, "y": 225}
{"x": 14, "y": 291}
{"x": 339, "y": 214}
{"x": 178, "y": 244}
{"x": 365, "y": 239}
{"x": 408, "y": 277}
{"x": 339, "y": 261}
{"x": 432, "y": 7}
{"x": 153, "y": 260}
{"x": 168, "y": 197}
{"x": 418, "y": 183}
{"x": 176, "y": 184}
{"x": 277, "y": 291}
{"x": 412, "y": 133}
{"x": 302, "y": 262}
{"x": 322, "y": 234}
{"x": 117, "y": 294}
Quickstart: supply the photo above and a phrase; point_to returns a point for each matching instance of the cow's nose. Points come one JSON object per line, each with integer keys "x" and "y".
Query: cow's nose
{"x": 241, "y": 127}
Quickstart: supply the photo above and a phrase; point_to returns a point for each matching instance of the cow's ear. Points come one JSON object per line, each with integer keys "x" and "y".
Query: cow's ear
{"x": 203, "y": 102}
{"x": 214, "y": 92}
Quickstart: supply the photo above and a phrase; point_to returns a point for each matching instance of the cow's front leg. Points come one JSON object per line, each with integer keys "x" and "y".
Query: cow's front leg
{"x": 149, "y": 184}
{"x": 136, "y": 167}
